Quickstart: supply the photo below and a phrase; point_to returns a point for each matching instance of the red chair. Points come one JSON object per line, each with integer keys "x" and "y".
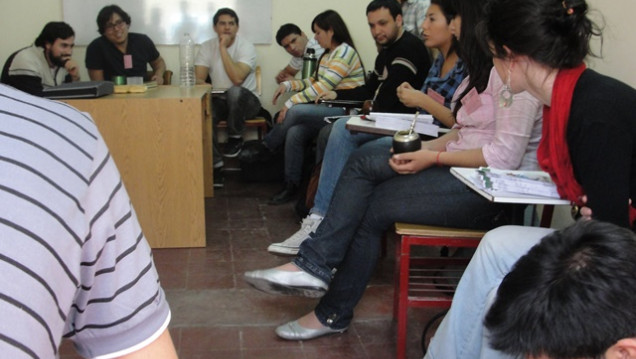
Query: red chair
{"x": 420, "y": 281}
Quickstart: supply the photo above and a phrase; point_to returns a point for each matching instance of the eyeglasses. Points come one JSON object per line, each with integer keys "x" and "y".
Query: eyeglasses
{"x": 113, "y": 25}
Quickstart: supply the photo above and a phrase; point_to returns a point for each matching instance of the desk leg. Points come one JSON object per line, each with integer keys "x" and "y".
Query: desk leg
{"x": 208, "y": 172}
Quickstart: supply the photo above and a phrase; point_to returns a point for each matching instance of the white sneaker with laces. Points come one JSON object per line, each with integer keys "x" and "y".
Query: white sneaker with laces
{"x": 290, "y": 246}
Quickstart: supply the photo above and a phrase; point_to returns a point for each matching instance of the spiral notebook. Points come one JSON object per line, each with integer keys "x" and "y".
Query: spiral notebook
{"x": 506, "y": 186}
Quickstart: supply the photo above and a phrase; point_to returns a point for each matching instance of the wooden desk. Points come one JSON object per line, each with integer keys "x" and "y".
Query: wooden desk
{"x": 161, "y": 141}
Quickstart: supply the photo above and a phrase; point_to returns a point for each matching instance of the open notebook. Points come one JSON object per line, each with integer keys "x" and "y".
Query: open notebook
{"x": 506, "y": 186}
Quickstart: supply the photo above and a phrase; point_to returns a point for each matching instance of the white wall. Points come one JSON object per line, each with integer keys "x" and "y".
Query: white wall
{"x": 619, "y": 39}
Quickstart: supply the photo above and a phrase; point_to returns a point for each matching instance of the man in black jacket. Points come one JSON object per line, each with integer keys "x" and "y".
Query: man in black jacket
{"x": 402, "y": 58}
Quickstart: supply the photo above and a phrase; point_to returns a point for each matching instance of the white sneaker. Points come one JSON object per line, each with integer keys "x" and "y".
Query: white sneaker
{"x": 290, "y": 246}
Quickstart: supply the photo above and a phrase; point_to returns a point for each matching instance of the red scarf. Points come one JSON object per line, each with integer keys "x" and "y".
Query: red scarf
{"x": 553, "y": 153}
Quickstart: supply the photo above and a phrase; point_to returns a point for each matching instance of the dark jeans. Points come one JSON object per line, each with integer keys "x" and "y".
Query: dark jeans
{"x": 235, "y": 106}
{"x": 301, "y": 125}
{"x": 368, "y": 199}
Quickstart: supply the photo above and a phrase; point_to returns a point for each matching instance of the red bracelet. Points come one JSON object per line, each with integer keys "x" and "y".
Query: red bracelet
{"x": 437, "y": 159}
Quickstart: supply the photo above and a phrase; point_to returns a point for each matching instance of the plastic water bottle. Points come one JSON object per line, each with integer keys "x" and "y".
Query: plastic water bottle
{"x": 186, "y": 54}
{"x": 309, "y": 63}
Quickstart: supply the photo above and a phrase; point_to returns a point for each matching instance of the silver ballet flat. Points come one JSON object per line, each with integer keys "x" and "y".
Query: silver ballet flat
{"x": 275, "y": 281}
{"x": 294, "y": 331}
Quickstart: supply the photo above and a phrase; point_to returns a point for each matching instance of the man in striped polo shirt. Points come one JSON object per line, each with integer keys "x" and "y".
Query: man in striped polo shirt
{"x": 74, "y": 262}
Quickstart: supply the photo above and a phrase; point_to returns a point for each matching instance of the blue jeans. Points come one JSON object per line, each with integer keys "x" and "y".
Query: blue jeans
{"x": 301, "y": 125}
{"x": 235, "y": 106}
{"x": 462, "y": 334}
{"x": 339, "y": 147}
{"x": 368, "y": 199}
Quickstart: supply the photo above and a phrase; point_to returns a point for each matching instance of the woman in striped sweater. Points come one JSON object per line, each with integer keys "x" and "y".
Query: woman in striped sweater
{"x": 300, "y": 119}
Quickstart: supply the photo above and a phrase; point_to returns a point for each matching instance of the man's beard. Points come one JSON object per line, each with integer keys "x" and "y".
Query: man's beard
{"x": 57, "y": 60}
{"x": 389, "y": 41}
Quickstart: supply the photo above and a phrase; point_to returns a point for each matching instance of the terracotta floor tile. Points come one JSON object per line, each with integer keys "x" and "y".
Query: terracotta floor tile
{"x": 210, "y": 255}
{"x": 376, "y": 303}
{"x": 219, "y": 275}
{"x": 215, "y": 314}
{"x": 380, "y": 331}
{"x": 202, "y": 340}
{"x": 258, "y": 337}
{"x": 172, "y": 275}
{"x": 217, "y": 354}
{"x": 274, "y": 353}
{"x": 335, "y": 351}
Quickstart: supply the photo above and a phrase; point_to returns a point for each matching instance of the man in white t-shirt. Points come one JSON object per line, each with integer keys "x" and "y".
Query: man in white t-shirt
{"x": 229, "y": 60}
{"x": 296, "y": 43}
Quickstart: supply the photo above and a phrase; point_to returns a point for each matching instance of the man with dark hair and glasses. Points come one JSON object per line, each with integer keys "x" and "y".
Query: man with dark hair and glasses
{"x": 118, "y": 52}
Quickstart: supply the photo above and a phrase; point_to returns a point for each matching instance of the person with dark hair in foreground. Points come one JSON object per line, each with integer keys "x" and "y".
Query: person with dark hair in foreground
{"x": 588, "y": 147}
{"x": 570, "y": 296}
{"x": 46, "y": 63}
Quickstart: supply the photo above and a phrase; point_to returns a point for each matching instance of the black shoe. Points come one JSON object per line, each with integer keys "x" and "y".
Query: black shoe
{"x": 233, "y": 147}
{"x": 255, "y": 152}
{"x": 219, "y": 180}
{"x": 287, "y": 194}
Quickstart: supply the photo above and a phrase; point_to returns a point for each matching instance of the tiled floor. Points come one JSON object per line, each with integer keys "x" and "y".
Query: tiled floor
{"x": 216, "y": 315}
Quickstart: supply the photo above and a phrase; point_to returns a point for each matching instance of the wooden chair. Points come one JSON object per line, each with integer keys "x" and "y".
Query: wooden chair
{"x": 259, "y": 122}
{"x": 423, "y": 282}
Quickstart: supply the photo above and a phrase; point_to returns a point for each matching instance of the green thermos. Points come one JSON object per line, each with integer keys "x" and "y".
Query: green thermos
{"x": 309, "y": 63}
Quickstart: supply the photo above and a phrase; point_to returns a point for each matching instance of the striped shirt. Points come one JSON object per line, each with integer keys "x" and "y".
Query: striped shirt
{"x": 73, "y": 260}
{"x": 338, "y": 70}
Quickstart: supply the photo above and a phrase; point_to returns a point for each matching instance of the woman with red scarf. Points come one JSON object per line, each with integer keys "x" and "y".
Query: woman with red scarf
{"x": 588, "y": 148}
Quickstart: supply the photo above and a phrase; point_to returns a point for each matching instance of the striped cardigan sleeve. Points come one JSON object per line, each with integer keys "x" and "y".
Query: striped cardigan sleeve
{"x": 342, "y": 69}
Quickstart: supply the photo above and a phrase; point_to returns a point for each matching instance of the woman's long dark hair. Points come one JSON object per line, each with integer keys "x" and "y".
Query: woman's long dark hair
{"x": 449, "y": 12}
{"x": 331, "y": 20}
{"x": 478, "y": 62}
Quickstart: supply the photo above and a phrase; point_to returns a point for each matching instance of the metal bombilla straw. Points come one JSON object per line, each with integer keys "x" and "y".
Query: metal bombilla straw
{"x": 413, "y": 122}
